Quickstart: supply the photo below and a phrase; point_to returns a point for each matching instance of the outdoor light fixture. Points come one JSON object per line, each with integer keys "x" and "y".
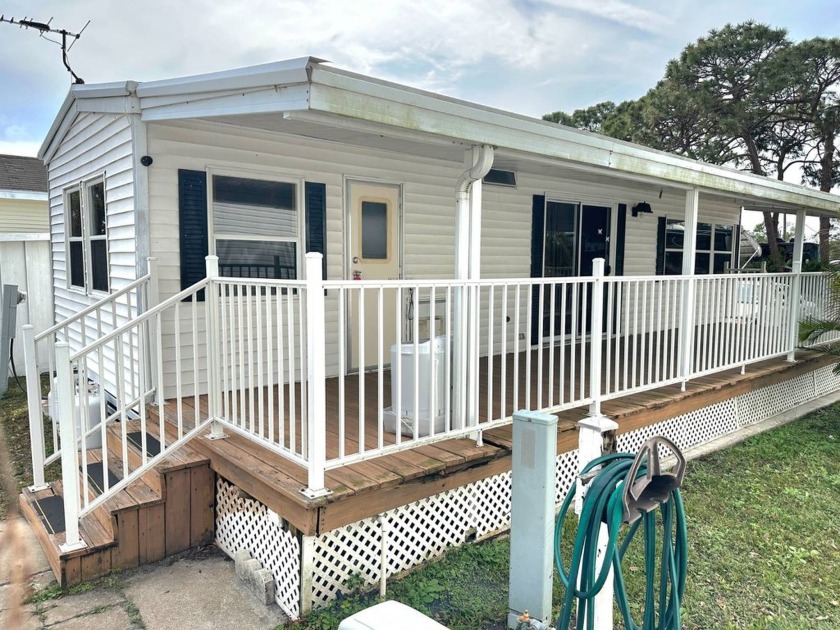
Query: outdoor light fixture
{"x": 640, "y": 208}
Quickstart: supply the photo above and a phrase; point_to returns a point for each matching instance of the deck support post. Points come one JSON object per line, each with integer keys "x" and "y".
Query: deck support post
{"x": 307, "y": 572}
{"x": 532, "y": 516}
{"x": 33, "y": 402}
{"x": 69, "y": 459}
{"x": 214, "y": 386}
{"x": 316, "y": 408}
{"x": 796, "y": 285}
{"x": 685, "y": 354}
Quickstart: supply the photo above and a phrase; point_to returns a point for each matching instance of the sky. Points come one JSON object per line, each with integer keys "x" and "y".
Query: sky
{"x": 526, "y": 56}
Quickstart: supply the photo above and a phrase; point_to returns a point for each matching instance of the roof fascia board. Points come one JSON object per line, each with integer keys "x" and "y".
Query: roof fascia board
{"x": 23, "y": 195}
{"x": 419, "y": 112}
{"x": 272, "y": 100}
{"x": 109, "y": 105}
{"x": 53, "y": 139}
{"x": 278, "y": 73}
{"x": 12, "y": 237}
{"x": 150, "y": 102}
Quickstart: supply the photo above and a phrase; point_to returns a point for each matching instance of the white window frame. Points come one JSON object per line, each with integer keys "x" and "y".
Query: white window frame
{"x": 83, "y": 187}
{"x": 710, "y": 252}
{"x": 299, "y": 240}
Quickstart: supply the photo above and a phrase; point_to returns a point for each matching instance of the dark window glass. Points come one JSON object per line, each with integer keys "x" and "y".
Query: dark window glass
{"x": 701, "y": 263}
{"x": 673, "y": 263}
{"x": 704, "y": 237}
{"x": 97, "y": 209}
{"x": 99, "y": 264}
{"x": 720, "y": 262}
{"x": 77, "y": 265}
{"x": 253, "y": 192}
{"x": 257, "y": 259}
{"x": 723, "y": 238}
{"x": 674, "y": 234}
{"x": 74, "y": 200}
{"x": 560, "y": 242}
{"x": 374, "y": 230}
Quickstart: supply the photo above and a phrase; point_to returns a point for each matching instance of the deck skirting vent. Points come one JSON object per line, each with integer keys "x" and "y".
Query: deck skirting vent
{"x": 425, "y": 529}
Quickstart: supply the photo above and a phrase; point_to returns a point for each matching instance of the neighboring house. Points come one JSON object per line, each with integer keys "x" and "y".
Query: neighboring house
{"x": 192, "y": 222}
{"x": 25, "y": 242}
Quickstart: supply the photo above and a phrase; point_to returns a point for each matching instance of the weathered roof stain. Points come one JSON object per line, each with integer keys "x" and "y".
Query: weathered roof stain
{"x": 23, "y": 173}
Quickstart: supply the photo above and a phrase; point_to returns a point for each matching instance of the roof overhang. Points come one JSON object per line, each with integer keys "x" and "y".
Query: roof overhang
{"x": 333, "y": 96}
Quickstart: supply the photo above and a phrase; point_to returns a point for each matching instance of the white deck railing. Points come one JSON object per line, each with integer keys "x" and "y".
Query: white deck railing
{"x": 82, "y": 328}
{"x": 262, "y": 351}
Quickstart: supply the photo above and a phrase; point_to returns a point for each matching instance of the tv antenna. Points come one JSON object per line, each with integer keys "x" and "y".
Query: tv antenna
{"x": 44, "y": 29}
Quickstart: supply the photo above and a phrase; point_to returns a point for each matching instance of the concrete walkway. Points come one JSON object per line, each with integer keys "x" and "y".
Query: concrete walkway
{"x": 195, "y": 591}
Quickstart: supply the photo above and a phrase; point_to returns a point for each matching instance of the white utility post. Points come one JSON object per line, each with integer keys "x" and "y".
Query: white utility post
{"x": 316, "y": 422}
{"x": 532, "y": 516}
{"x": 686, "y": 348}
{"x": 796, "y": 284}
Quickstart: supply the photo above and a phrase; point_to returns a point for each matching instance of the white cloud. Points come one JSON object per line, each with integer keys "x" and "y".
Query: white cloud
{"x": 20, "y": 147}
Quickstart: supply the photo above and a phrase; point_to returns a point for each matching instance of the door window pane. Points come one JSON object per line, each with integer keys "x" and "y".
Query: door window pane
{"x": 723, "y": 238}
{"x": 560, "y": 240}
{"x": 720, "y": 262}
{"x": 701, "y": 263}
{"x": 673, "y": 263}
{"x": 704, "y": 236}
{"x": 374, "y": 230}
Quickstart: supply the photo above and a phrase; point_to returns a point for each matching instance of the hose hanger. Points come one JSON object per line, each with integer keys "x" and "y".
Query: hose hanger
{"x": 647, "y": 492}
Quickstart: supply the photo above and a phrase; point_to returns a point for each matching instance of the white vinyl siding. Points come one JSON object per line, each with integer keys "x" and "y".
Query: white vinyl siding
{"x": 428, "y": 219}
{"x": 24, "y": 216}
{"x": 95, "y": 145}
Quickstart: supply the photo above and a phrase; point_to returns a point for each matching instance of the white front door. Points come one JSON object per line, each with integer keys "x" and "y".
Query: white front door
{"x": 374, "y": 254}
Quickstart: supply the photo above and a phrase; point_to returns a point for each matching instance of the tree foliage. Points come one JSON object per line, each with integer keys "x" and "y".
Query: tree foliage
{"x": 743, "y": 96}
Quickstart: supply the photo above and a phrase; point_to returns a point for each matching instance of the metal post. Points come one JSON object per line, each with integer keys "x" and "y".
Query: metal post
{"x": 211, "y": 305}
{"x": 686, "y": 347}
{"x": 796, "y": 284}
{"x": 33, "y": 401}
{"x": 596, "y": 336}
{"x": 532, "y": 515}
{"x": 69, "y": 460}
{"x": 316, "y": 421}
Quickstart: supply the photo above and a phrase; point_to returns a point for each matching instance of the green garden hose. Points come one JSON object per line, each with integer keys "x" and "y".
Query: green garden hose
{"x": 603, "y": 504}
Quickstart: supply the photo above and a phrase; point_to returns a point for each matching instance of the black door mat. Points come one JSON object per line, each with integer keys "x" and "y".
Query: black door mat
{"x": 152, "y": 444}
{"x": 51, "y": 512}
{"x": 96, "y": 479}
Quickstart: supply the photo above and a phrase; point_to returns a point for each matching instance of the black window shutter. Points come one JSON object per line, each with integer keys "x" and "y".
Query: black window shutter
{"x": 660, "y": 247}
{"x": 316, "y": 220}
{"x": 620, "y": 228}
{"x": 192, "y": 214}
{"x": 537, "y": 244}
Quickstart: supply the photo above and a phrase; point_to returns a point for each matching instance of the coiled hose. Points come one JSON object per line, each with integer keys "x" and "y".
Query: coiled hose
{"x": 603, "y": 504}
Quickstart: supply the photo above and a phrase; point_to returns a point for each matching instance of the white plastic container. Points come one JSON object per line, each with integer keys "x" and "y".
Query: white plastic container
{"x": 95, "y": 439}
{"x": 428, "y": 407}
{"x": 430, "y": 358}
{"x": 389, "y": 615}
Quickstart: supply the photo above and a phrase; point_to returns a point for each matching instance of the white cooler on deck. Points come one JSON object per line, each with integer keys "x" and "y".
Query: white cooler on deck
{"x": 429, "y": 359}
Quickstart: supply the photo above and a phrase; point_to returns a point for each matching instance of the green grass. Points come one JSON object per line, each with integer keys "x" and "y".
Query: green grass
{"x": 14, "y": 417}
{"x": 764, "y": 536}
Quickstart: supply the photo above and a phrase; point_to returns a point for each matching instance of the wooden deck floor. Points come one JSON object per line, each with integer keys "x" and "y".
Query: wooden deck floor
{"x": 366, "y": 488}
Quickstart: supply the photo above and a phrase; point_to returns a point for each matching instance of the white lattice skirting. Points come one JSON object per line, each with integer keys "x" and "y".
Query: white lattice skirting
{"x": 425, "y": 529}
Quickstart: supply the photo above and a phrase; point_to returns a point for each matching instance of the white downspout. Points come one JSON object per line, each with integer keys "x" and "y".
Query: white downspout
{"x": 467, "y": 253}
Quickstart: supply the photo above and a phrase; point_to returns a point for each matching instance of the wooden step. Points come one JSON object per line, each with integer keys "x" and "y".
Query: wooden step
{"x": 136, "y": 525}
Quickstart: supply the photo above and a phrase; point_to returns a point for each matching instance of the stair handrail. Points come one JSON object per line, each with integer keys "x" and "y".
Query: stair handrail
{"x": 148, "y": 282}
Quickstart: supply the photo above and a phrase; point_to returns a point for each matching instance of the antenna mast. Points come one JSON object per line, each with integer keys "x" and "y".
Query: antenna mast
{"x": 43, "y": 29}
